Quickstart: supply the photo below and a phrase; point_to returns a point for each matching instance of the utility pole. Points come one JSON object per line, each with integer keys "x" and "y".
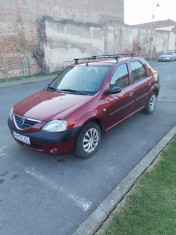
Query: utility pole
{"x": 151, "y": 31}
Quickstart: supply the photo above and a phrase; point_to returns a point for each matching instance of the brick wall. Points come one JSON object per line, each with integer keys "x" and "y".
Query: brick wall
{"x": 31, "y": 13}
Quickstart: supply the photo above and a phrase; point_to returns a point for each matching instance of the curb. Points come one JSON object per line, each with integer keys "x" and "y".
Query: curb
{"x": 28, "y": 80}
{"x": 95, "y": 220}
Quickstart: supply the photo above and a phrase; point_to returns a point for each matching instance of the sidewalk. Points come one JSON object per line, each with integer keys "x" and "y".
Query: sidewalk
{"x": 27, "y": 80}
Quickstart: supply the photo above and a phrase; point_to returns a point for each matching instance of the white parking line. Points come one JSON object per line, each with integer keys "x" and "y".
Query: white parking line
{"x": 3, "y": 154}
{"x": 170, "y": 78}
{"x": 82, "y": 203}
{"x": 167, "y": 100}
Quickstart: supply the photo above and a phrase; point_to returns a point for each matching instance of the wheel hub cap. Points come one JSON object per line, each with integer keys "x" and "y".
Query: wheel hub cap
{"x": 90, "y": 140}
{"x": 152, "y": 102}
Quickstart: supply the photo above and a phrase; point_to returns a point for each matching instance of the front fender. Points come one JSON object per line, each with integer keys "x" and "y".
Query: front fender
{"x": 91, "y": 115}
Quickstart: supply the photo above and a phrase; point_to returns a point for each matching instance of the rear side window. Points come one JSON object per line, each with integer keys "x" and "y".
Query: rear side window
{"x": 120, "y": 77}
{"x": 139, "y": 71}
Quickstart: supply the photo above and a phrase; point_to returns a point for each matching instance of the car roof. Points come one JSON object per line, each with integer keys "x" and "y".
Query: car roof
{"x": 104, "y": 61}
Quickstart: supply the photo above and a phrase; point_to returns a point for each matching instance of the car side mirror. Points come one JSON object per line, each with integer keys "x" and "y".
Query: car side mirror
{"x": 114, "y": 90}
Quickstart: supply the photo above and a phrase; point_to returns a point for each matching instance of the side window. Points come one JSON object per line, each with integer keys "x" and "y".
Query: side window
{"x": 139, "y": 71}
{"x": 120, "y": 77}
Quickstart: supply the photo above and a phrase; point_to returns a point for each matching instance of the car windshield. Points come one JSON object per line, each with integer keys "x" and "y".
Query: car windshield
{"x": 85, "y": 80}
{"x": 167, "y": 53}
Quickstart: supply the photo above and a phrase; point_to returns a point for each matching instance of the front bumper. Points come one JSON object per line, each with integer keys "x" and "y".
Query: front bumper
{"x": 57, "y": 143}
{"x": 165, "y": 59}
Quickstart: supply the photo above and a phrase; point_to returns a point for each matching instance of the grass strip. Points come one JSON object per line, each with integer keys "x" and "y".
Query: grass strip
{"x": 150, "y": 207}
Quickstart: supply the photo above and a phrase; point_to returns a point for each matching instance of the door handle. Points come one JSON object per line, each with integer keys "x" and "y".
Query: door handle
{"x": 131, "y": 93}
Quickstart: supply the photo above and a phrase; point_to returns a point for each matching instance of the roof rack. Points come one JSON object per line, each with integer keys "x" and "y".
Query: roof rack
{"x": 116, "y": 57}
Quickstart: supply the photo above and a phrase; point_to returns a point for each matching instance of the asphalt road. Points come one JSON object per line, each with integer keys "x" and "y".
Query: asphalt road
{"x": 42, "y": 194}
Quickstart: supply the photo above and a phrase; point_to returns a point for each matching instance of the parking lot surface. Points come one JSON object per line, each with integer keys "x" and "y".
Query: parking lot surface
{"x": 42, "y": 194}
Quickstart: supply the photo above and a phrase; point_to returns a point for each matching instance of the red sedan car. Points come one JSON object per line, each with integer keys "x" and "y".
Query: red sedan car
{"x": 87, "y": 99}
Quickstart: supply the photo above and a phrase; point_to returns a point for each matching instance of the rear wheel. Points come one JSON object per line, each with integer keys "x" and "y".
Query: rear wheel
{"x": 151, "y": 104}
{"x": 88, "y": 140}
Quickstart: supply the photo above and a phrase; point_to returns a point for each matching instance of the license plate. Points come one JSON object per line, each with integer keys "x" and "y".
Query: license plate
{"x": 22, "y": 138}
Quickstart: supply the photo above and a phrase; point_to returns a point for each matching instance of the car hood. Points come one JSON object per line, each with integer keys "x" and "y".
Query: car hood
{"x": 46, "y": 105}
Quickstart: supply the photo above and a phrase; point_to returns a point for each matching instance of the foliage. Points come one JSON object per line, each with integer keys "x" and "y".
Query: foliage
{"x": 21, "y": 45}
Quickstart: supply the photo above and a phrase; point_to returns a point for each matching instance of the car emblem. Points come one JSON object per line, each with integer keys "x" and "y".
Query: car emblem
{"x": 22, "y": 121}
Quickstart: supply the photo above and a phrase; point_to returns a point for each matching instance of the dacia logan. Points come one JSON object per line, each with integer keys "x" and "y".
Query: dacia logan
{"x": 88, "y": 98}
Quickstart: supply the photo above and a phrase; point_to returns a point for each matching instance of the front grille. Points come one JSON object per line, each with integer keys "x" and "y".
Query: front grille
{"x": 24, "y": 123}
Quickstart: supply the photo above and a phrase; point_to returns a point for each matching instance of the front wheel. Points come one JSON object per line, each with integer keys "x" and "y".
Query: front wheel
{"x": 151, "y": 104}
{"x": 88, "y": 140}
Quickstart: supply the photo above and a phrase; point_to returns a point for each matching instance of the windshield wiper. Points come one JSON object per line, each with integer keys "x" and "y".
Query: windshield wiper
{"x": 53, "y": 89}
{"x": 74, "y": 91}
{"x": 69, "y": 90}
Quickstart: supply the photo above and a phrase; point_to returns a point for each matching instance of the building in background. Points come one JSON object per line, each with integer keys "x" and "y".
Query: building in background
{"x": 42, "y": 35}
{"x": 22, "y": 24}
{"x": 166, "y": 25}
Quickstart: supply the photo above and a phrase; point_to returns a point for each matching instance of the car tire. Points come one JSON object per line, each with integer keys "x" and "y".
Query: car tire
{"x": 88, "y": 140}
{"x": 151, "y": 104}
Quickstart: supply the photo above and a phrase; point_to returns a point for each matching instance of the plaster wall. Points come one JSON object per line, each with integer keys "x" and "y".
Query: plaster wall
{"x": 68, "y": 40}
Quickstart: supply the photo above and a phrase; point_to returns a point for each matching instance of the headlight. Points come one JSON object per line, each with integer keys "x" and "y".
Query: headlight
{"x": 11, "y": 113}
{"x": 56, "y": 126}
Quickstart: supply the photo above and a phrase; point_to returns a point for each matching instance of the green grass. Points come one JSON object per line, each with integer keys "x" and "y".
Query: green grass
{"x": 150, "y": 208}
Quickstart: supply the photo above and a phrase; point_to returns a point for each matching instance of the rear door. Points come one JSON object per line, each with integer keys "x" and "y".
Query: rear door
{"x": 142, "y": 84}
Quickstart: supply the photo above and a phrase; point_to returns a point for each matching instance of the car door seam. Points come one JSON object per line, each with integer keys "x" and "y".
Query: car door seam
{"x": 117, "y": 110}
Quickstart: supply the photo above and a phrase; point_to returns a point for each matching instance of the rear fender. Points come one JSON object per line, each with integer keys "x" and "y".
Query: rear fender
{"x": 154, "y": 88}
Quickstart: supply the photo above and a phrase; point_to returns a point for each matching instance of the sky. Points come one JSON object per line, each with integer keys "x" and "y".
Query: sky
{"x": 140, "y": 11}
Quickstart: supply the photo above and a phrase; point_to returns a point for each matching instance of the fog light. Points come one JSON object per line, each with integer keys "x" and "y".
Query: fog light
{"x": 54, "y": 150}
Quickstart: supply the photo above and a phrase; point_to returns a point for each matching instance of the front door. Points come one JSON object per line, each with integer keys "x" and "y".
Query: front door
{"x": 119, "y": 105}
